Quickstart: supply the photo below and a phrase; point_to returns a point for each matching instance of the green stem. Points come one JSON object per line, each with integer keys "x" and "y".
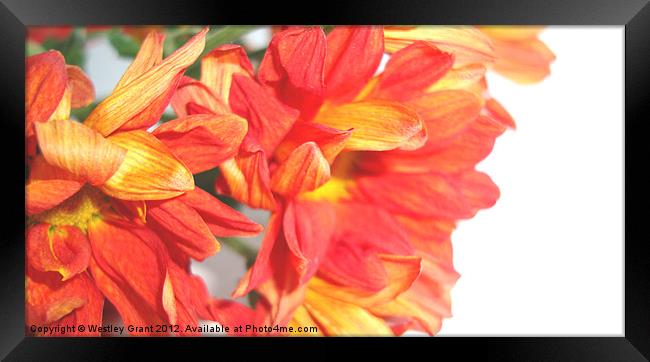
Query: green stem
{"x": 238, "y": 246}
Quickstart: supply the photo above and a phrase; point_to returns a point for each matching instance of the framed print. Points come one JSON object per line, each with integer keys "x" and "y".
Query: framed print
{"x": 418, "y": 169}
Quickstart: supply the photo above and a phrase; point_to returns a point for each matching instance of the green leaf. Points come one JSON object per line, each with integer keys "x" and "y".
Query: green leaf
{"x": 125, "y": 44}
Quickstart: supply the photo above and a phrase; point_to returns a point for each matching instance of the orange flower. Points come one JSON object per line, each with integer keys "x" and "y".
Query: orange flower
{"x": 112, "y": 209}
{"x": 366, "y": 174}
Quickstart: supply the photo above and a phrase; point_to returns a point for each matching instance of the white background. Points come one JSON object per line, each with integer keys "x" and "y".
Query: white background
{"x": 547, "y": 259}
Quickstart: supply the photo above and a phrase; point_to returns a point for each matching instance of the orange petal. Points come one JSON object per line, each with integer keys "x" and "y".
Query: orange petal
{"x": 412, "y": 70}
{"x": 180, "y": 224}
{"x": 466, "y": 77}
{"x": 42, "y": 195}
{"x": 460, "y": 153}
{"x": 308, "y": 228}
{"x": 331, "y": 141}
{"x": 497, "y": 112}
{"x": 304, "y": 170}
{"x": 149, "y": 171}
{"x": 295, "y": 56}
{"x": 90, "y": 313}
{"x": 525, "y": 61}
{"x": 401, "y": 272}
{"x": 79, "y": 149}
{"x": 141, "y": 101}
{"x": 246, "y": 178}
{"x": 261, "y": 269}
{"x": 219, "y": 66}
{"x": 82, "y": 89}
{"x": 431, "y": 195}
{"x": 48, "y": 298}
{"x": 339, "y": 318}
{"x": 130, "y": 268}
{"x": 446, "y": 113}
{"x": 511, "y": 32}
{"x": 202, "y": 142}
{"x": 63, "y": 249}
{"x": 468, "y": 45}
{"x": 192, "y": 95}
{"x": 222, "y": 219}
{"x": 45, "y": 84}
{"x": 149, "y": 55}
{"x": 353, "y": 55}
{"x": 376, "y": 125}
{"x": 230, "y": 313}
{"x": 269, "y": 120}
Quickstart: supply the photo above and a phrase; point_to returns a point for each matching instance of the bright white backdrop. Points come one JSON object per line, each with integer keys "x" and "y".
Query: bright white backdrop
{"x": 547, "y": 259}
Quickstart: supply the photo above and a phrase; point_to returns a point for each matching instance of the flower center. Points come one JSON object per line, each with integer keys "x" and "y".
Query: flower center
{"x": 77, "y": 211}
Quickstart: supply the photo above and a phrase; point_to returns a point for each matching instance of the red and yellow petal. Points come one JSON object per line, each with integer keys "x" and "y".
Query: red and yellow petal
{"x": 201, "y": 141}
{"x": 412, "y": 70}
{"x": 140, "y": 102}
{"x": 194, "y": 97}
{"x": 219, "y": 66}
{"x": 331, "y": 141}
{"x": 246, "y": 177}
{"x": 149, "y": 171}
{"x": 304, "y": 170}
{"x": 353, "y": 55}
{"x": 376, "y": 125}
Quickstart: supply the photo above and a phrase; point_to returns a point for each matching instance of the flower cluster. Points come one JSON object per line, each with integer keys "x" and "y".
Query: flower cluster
{"x": 365, "y": 165}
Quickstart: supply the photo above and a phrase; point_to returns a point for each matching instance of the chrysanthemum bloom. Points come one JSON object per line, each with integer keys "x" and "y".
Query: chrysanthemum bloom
{"x": 366, "y": 175}
{"x": 112, "y": 209}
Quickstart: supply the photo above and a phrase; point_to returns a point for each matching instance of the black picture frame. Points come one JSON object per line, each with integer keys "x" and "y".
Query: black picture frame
{"x": 15, "y": 15}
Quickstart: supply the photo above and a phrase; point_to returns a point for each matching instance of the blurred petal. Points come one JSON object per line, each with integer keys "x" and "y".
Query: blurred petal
{"x": 79, "y": 149}
{"x": 467, "y": 44}
{"x": 82, "y": 89}
{"x": 202, "y": 142}
{"x": 149, "y": 171}
{"x": 63, "y": 249}
{"x": 376, "y": 125}
{"x": 304, "y": 170}
{"x": 466, "y": 77}
{"x": 222, "y": 219}
{"x": 339, "y": 318}
{"x": 353, "y": 55}
{"x": 140, "y": 102}
{"x": 401, "y": 272}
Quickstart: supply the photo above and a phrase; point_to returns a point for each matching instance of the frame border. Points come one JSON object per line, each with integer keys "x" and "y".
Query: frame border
{"x": 15, "y": 15}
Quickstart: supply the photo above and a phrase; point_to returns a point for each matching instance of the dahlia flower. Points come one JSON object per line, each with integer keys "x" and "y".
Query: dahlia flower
{"x": 365, "y": 174}
{"x": 112, "y": 209}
